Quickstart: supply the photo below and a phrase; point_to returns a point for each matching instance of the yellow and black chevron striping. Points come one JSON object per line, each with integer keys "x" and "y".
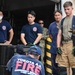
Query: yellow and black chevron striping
{"x": 48, "y": 63}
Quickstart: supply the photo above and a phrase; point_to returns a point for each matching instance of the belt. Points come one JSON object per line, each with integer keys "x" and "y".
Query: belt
{"x": 67, "y": 40}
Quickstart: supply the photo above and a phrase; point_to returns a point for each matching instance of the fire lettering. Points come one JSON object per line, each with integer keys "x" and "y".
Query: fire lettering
{"x": 30, "y": 67}
{"x": 24, "y": 65}
{"x": 18, "y": 64}
{"x": 37, "y": 70}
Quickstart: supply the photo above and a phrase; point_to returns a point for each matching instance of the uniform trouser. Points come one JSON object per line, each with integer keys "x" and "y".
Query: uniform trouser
{"x": 66, "y": 60}
{"x": 54, "y": 64}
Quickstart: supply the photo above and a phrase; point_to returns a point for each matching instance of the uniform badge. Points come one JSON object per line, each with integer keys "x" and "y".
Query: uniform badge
{"x": 4, "y": 27}
{"x": 34, "y": 29}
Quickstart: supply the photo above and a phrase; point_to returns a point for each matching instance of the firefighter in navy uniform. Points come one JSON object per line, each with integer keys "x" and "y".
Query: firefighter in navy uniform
{"x": 5, "y": 27}
{"x": 66, "y": 53}
{"x": 26, "y": 65}
{"x": 31, "y": 33}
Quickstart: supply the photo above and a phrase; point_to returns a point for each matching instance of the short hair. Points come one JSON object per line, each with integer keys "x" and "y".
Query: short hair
{"x": 32, "y": 13}
{"x": 58, "y": 11}
{"x": 67, "y": 3}
{"x": 40, "y": 20}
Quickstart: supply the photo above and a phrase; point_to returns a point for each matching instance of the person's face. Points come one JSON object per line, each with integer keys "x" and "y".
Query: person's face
{"x": 38, "y": 57}
{"x": 41, "y": 23}
{"x": 1, "y": 15}
{"x": 68, "y": 10}
{"x": 58, "y": 16}
{"x": 30, "y": 18}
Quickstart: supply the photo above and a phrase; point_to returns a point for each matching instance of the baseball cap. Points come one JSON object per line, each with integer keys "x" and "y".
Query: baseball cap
{"x": 35, "y": 49}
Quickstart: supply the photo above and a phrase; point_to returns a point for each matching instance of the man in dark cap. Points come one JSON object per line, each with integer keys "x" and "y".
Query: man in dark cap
{"x": 26, "y": 65}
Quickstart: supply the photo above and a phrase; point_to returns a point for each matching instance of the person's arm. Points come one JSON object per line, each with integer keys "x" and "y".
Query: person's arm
{"x": 59, "y": 51}
{"x": 38, "y": 38}
{"x": 10, "y": 63}
{"x": 23, "y": 39}
{"x": 59, "y": 38}
{"x": 39, "y": 35}
{"x": 11, "y": 33}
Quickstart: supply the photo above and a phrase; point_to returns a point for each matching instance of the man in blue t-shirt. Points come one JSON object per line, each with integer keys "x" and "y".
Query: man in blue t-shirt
{"x": 53, "y": 31}
{"x": 31, "y": 33}
{"x": 26, "y": 65}
{"x": 5, "y": 27}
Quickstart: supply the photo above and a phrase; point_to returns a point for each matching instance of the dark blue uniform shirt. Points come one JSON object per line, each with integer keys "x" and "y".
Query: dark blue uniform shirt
{"x": 4, "y": 27}
{"x": 25, "y": 65}
{"x": 31, "y": 32}
{"x": 53, "y": 30}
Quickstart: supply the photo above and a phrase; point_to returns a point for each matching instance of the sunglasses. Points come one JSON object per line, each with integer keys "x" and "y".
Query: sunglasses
{"x": 41, "y": 23}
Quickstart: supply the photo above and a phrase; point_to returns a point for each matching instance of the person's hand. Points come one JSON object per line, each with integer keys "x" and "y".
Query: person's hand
{"x": 73, "y": 51}
{"x": 25, "y": 44}
{"x": 7, "y": 42}
{"x": 59, "y": 51}
{"x": 30, "y": 44}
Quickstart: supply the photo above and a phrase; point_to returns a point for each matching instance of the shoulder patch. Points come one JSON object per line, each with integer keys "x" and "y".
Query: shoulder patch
{"x": 4, "y": 27}
{"x": 34, "y": 28}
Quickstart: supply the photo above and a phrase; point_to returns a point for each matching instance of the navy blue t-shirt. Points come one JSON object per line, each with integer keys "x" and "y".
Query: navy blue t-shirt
{"x": 31, "y": 32}
{"x": 25, "y": 65}
{"x": 4, "y": 28}
{"x": 53, "y": 30}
